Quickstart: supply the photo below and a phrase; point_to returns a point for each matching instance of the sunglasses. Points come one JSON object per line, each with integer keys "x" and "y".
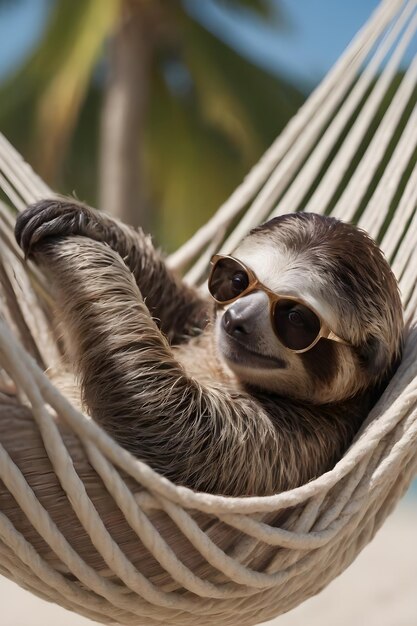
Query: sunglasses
{"x": 295, "y": 323}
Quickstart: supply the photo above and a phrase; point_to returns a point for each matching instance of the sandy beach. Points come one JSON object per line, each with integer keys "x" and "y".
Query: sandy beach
{"x": 379, "y": 589}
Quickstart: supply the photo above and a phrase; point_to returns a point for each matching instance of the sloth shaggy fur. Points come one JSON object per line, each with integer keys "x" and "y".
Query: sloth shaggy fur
{"x": 147, "y": 353}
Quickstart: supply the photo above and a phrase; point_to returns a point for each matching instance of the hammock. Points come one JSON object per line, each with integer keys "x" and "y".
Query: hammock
{"x": 86, "y": 525}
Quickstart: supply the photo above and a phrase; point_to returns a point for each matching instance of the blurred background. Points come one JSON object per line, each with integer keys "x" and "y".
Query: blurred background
{"x": 155, "y": 111}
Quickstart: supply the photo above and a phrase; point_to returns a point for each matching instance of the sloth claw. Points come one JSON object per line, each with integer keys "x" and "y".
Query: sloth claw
{"x": 47, "y": 219}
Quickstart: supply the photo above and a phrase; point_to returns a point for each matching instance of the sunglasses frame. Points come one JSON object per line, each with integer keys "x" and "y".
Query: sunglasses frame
{"x": 254, "y": 285}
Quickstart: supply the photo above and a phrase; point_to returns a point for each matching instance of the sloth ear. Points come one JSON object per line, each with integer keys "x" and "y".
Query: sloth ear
{"x": 374, "y": 356}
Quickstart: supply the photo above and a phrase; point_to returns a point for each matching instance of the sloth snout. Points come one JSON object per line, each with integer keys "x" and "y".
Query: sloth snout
{"x": 246, "y": 315}
{"x": 235, "y": 323}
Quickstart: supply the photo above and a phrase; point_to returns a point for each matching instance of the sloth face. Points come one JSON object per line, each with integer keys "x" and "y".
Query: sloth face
{"x": 338, "y": 272}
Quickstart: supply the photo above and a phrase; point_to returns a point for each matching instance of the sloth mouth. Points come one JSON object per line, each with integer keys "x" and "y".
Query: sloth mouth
{"x": 240, "y": 354}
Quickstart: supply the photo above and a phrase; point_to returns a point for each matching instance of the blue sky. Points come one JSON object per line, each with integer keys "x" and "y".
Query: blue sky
{"x": 314, "y": 34}
{"x": 21, "y": 25}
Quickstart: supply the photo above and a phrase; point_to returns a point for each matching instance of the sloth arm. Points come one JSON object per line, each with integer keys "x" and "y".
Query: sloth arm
{"x": 178, "y": 309}
{"x": 134, "y": 387}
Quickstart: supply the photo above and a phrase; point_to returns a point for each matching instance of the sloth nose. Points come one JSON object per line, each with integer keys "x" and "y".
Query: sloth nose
{"x": 246, "y": 315}
{"x": 235, "y": 323}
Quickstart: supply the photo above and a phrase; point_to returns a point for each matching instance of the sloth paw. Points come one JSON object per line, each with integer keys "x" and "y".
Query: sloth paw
{"x": 48, "y": 219}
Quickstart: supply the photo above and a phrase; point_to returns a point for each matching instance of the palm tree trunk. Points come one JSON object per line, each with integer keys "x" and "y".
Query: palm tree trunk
{"x": 122, "y": 186}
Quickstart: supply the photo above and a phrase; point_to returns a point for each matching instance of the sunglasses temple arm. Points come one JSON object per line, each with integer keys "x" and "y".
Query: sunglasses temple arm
{"x": 331, "y": 335}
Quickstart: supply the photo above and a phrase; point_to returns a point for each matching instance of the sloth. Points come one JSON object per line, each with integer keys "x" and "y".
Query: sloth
{"x": 255, "y": 389}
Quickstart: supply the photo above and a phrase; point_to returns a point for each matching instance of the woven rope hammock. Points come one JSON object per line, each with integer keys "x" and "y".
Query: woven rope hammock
{"x": 86, "y": 525}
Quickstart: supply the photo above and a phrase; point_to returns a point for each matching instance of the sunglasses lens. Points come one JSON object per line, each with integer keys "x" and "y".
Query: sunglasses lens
{"x": 228, "y": 280}
{"x": 296, "y": 325}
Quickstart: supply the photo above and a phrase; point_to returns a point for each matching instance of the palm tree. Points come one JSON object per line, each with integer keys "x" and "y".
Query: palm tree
{"x": 182, "y": 116}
